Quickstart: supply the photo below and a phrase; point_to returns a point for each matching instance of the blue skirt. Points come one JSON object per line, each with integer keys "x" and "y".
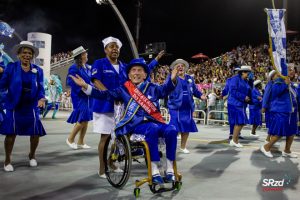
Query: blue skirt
{"x": 80, "y": 115}
{"x": 25, "y": 122}
{"x": 237, "y": 115}
{"x": 283, "y": 124}
{"x": 255, "y": 117}
{"x": 183, "y": 120}
{"x": 267, "y": 118}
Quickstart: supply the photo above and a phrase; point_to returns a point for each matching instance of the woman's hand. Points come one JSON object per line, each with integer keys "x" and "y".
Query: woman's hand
{"x": 79, "y": 81}
{"x": 41, "y": 103}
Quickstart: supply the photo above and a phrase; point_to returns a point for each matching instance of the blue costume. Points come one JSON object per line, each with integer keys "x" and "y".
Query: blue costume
{"x": 2, "y": 95}
{"x": 181, "y": 105}
{"x": 238, "y": 90}
{"x": 266, "y": 102}
{"x": 24, "y": 90}
{"x": 140, "y": 121}
{"x": 103, "y": 70}
{"x": 53, "y": 91}
{"x": 82, "y": 103}
{"x": 255, "y": 108}
{"x": 225, "y": 92}
{"x": 283, "y": 109}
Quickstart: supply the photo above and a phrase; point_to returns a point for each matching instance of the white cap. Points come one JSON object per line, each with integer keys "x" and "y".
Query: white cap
{"x": 256, "y": 82}
{"x": 78, "y": 51}
{"x": 245, "y": 68}
{"x": 110, "y": 39}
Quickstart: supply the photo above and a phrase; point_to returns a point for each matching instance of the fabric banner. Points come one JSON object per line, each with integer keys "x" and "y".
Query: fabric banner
{"x": 4, "y": 57}
{"x": 277, "y": 39}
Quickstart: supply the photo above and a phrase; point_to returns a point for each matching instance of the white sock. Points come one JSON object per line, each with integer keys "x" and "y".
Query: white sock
{"x": 170, "y": 166}
{"x": 154, "y": 168}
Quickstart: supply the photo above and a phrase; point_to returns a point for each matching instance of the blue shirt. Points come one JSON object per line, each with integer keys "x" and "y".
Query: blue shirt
{"x": 77, "y": 95}
{"x": 238, "y": 90}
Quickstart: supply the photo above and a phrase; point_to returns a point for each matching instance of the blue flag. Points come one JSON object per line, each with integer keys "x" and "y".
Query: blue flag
{"x": 277, "y": 39}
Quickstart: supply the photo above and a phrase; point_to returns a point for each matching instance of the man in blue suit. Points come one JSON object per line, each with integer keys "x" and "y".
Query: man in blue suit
{"x": 142, "y": 115}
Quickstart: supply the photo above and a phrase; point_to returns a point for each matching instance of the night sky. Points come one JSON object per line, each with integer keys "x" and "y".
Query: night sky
{"x": 187, "y": 26}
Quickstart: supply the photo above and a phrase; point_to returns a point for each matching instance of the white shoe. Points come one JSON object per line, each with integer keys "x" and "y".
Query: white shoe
{"x": 32, "y": 162}
{"x": 233, "y": 144}
{"x": 185, "y": 151}
{"x": 84, "y": 146}
{"x": 289, "y": 155}
{"x": 178, "y": 137}
{"x": 253, "y": 135}
{"x": 103, "y": 176}
{"x": 8, "y": 168}
{"x": 71, "y": 145}
{"x": 266, "y": 153}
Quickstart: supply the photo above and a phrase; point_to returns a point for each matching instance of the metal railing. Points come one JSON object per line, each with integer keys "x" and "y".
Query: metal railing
{"x": 216, "y": 120}
{"x": 198, "y": 118}
{"x": 62, "y": 63}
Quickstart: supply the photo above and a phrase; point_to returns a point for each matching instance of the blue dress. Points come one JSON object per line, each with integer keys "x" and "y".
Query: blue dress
{"x": 182, "y": 118}
{"x": 283, "y": 110}
{"x": 238, "y": 90}
{"x": 255, "y": 108}
{"x": 24, "y": 119}
{"x": 82, "y": 103}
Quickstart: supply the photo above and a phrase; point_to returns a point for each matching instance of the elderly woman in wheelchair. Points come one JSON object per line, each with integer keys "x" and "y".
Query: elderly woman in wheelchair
{"x": 142, "y": 116}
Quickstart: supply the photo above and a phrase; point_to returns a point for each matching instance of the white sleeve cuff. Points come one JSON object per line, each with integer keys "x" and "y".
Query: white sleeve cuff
{"x": 88, "y": 91}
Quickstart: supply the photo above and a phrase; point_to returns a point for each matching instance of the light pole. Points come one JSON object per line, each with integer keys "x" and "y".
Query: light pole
{"x": 124, "y": 25}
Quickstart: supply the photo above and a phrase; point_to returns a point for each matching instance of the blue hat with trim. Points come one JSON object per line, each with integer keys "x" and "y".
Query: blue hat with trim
{"x": 138, "y": 62}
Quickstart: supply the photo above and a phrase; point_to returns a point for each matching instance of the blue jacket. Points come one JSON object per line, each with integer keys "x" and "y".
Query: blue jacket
{"x": 176, "y": 97}
{"x": 257, "y": 104}
{"x": 79, "y": 98}
{"x": 238, "y": 90}
{"x": 154, "y": 92}
{"x": 103, "y": 71}
{"x": 280, "y": 100}
{"x": 12, "y": 81}
{"x": 267, "y": 95}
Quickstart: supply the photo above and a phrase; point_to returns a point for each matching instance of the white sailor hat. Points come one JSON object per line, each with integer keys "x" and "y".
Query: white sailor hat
{"x": 78, "y": 51}
{"x": 256, "y": 82}
{"x": 110, "y": 39}
{"x": 245, "y": 68}
{"x": 271, "y": 74}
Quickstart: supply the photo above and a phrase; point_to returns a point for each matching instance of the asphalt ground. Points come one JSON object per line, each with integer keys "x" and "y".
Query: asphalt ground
{"x": 212, "y": 170}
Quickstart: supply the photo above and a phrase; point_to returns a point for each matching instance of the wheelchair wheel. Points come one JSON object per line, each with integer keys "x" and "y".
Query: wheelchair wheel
{"x": 117, "y": 160}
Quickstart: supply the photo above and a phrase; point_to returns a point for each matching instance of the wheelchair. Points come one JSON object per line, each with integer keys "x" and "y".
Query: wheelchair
{"x": 118, "y": 161}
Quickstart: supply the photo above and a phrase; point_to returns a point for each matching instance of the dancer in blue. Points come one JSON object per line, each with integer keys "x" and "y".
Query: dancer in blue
{"x": 181, "y": 103}
{"x": 142, "y": 114}
{"x": 110, "y": 73}
{"x": 239, "y": 96}
{"x": 54, "y": 92}
{"x": 284, "y": 115}
{"x": 273, "y": 75}
{"x": 225, "y": 93}
{"x": 255, "y": 109}
{"x": 82, "y": 104}
{"x": 24, "y": 83}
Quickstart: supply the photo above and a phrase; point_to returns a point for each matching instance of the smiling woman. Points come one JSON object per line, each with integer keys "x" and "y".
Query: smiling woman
{"x": 25, "y": 94}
